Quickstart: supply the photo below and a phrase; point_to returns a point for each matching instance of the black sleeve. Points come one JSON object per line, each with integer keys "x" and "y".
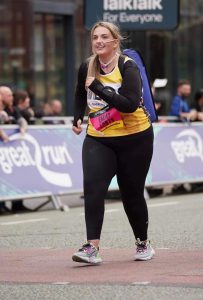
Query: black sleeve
{"x": 128, "y": 98}
{"x": 80, "y": 94}
{"x": 16, "y": 113}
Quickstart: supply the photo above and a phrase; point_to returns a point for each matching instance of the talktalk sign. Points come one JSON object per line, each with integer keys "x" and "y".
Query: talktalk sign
{"x": 134, "y": 14}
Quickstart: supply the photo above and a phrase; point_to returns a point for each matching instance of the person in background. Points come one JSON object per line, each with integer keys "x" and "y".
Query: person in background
{"x": 53, "y": 109}
{"x": 3, "y": 114}
{"x": 199, "y": 104}
{"x": 3, "y": 137}
{"x": 22, "y": 107}
{"x": 14, "y": 113}
{"x": 119, "y": 142}
{"x": 180, "y": 106}
{"x": 198, "y": 107}
{"x": 22, "y": 113}
{"x": 7, "y": 101}
{"x": 18, "y": 113}
{"x": 56, "y": 107}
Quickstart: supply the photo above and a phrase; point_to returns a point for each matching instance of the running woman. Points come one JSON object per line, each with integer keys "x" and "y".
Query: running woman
{"x": 119, "y": 140}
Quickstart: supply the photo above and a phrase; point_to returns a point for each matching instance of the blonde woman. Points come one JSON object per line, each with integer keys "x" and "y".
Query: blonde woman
{"x": 119, "y": 140}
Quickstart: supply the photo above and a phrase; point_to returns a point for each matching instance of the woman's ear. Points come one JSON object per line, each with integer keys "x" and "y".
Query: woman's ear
{"x": 115, "y": 44}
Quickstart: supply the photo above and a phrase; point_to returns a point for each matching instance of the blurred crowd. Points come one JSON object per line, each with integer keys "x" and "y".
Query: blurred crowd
{"x": 181, "y": 109}
{"x": 15, "y": 109}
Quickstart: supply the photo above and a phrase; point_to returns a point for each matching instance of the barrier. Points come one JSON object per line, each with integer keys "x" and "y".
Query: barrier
{"x": 47, "y": 159}
{"x": 178, "y": 154}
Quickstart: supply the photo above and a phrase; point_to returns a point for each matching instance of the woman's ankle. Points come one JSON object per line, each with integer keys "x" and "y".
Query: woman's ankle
{"x": 95, "y": 243}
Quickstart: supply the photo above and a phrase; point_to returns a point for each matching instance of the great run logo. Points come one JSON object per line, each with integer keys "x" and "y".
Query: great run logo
{"x": 21, "y": 156}
{"x": 188, "y": 144}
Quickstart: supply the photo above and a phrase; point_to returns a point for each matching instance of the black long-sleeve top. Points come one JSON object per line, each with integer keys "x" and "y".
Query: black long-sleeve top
{"x": 126, "y": 100}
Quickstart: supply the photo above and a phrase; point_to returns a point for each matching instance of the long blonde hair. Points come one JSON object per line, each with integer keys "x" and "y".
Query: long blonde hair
{"x": 93, "y": 61}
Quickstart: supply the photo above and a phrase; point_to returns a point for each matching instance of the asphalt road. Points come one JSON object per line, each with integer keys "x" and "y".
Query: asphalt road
{"x": 36, "y": 249}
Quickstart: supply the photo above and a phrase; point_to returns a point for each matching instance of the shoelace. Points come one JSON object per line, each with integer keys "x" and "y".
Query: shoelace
{"x": 141, "y": 248}
{"x": 87, "y": 248}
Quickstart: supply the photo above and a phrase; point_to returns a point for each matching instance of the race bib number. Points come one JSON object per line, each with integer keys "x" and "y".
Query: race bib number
{"x": 105, "y": 118}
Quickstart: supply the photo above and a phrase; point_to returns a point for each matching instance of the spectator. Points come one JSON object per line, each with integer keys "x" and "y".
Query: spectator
{"x": 23, "y": 114}
{"x": 56, "y": 107}
{"x": 4, "y": 138}
{"x": 157, "y": 88}
{"x": 22, "y": 110}
{"x": 3, "y": 114}
{"x": 199, "y": 104}
{"x": 180, "y": 106}
{"x": 53, "y": 109}
{"x": 46, "y": 109}
{"x": 18, "y": 112}
{"x": 7, "y": 100}
{"x": 13, "y": 112}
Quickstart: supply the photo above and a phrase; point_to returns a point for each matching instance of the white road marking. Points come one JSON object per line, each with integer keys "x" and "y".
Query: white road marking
{"x": 162, "y": 248}
{"x": 149, "y": 205}
{"x": 23, "y": 221}
{"x": 107, "y": 211}
{"x": 141, "y": 282}
{"x": 163, "y": 204}
{"x": 61, "y": 283}
{"x": 112, "y": 210}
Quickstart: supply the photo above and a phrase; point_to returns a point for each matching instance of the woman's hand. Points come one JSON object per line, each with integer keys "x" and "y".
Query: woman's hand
{"x": 77, "y": 129}
{"x": 89, "y": 81}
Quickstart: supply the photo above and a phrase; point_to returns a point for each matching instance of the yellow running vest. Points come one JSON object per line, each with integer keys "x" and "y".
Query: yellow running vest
{"x": 133, "y": 122}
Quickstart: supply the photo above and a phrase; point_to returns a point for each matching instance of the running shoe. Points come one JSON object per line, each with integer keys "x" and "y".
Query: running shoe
{"x": 87, "y": 254}
{"x": 144, "y": 250}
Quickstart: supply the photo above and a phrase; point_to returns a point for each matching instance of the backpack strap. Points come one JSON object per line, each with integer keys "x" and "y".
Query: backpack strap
{"x": 121, "y": 63}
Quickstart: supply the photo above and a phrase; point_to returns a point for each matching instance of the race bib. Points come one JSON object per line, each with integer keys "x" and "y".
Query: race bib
{"x": 105, "y": 118}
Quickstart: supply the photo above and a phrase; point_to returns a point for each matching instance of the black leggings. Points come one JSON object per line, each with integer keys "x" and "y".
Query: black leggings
{"x": 129, "y": 158}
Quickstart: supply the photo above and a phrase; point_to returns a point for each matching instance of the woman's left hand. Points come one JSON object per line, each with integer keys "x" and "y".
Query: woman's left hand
{"x": 89, "y": 81}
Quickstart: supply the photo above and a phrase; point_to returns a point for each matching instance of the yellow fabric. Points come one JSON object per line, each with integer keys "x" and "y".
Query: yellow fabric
{"x": 133, "y": 122}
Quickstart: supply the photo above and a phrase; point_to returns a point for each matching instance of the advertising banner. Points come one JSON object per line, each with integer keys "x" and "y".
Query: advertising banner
{"x": 45, "y": 159}
{"x": 134, "y": 14}
{"x": 178, "y": 154}
{"x": 49, "y": 159}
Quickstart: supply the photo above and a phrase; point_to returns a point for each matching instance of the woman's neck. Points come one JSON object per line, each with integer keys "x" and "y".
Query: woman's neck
{"x": 106, "y": 62}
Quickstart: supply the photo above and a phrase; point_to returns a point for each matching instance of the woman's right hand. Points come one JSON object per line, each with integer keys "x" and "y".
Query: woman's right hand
{"x": 77, "y": 129}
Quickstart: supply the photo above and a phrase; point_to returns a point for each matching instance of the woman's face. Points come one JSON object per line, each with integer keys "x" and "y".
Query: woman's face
{"x": 26, "y": 103}
{"x": 1, "y": 103}
{"x": 103, "y": 42}
{"x": 200, "y": 102}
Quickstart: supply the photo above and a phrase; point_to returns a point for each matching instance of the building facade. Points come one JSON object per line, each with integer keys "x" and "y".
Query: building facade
{"x": 42, "y": 43}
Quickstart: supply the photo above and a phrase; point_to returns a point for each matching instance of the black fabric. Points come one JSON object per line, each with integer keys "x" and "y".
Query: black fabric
{"x": 127, "y": 100}
{"x": 80, "y": 94}
{"x": 129, "y": 158}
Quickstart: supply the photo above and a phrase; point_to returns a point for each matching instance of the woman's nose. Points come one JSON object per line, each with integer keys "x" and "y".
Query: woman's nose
{"x": 99, "y": 40}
